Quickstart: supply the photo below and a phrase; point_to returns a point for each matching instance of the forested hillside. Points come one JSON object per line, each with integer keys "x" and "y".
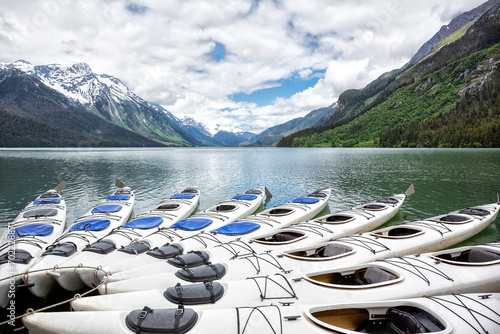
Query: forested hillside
{"x": 455, "y": 83}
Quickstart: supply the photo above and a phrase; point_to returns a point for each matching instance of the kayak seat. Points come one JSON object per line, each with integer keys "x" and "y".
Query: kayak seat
{"x": 375, "y": 275}
{"x": 245, "y": 197}
{"x": 190, "y": 259}
{"x": 254, "y": 192}
{"x": 306, "y": 200}
{"x": 168, "y": 207}
{"x": 50, "y": 194}
{"x": 477, "y": 255}
{"x": 40, "y": 213}
{"x": 65, "y": 249}
{"x": 209, "y": 272}
{"x": 101, "y": 247}
{"x": 31, "y": 230}
{"x": 124, "y": 191}
{"x": 403, "y": 322}
{"x": 337, "y": 219}
{"x": 388, "y": 200}
{"x": 475, "y": 212}
{"x": 42, "y": 201}
{"x": 402, "y": 232}
{"x": 20, "y": 256}
{"x": 317, "y": 194}
{"x": 118, "y": 198}
{"x": 135, "y": 248}
{"x": 331, "y": 250}
{"x": 374, "y": 207}
{"x": 183, "y": 196}
{"x": 454, "y": 219}
{"x": 166, "y": 251}
{"x": 147, "y": 321}
{"x": 286, "y": 236}
{"x": 194, "y": 294}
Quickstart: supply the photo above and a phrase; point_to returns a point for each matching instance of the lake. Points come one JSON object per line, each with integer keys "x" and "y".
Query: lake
{"x": 444, "y": 179}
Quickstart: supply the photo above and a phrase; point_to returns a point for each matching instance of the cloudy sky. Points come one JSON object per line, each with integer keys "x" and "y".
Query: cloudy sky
{"x": 247, "y": 64}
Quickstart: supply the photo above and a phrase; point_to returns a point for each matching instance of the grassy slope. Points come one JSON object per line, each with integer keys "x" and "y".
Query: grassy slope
{"x": 405, "y": 105}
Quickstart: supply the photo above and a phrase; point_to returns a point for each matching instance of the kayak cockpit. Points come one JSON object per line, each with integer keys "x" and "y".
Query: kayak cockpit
{"x": 223, "y": 208}
{"x": 399, "y": 319}
{"x": 361, "y": 278}
{"x": 281, "y": 238}
{"x": 278, "y": 212}
{"x": 335, "y": 219}
{"x": 373, "y": 207}
{"x": 167, "y": 207}
{"x": 475, "y": 256}
{"x": 453, "y": 219}
{"x": 389, "y": 200}
{"x": 322, "y": 253}
{"x": 398, "y": 232}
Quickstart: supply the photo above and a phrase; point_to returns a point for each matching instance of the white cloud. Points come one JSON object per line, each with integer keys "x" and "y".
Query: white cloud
{"x": 162, "y": 50}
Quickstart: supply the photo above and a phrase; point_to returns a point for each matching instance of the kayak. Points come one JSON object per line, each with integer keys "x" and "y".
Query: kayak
{"x": 222, "y": 213}
{"x": 415, "y": 237}
{"x": 37, "y": 226}
{"x": 461, "y": 270}
{"x": 269, "y": 220}
{"x": 361, "y": 218}
{"x": 107, "y": 230}
{"x": 457, "y": 314}
{"x": 102, "y": 218}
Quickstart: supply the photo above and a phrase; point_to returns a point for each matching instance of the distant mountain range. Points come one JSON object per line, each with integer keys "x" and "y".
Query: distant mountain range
{"x": 107, "y": 97}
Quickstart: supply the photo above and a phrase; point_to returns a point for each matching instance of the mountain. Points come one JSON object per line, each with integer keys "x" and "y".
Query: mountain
{"x": 459, "y": 22}
{"x": 108, "y": 98}
{"x": 34, "y": 115}
{"x": 229, "y": 138}
{"x": 447, "y": 98}
{"x": 272, "y": 136}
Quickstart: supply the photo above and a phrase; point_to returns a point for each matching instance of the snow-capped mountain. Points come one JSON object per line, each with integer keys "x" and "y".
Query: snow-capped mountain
{"x": 109, "y": 98}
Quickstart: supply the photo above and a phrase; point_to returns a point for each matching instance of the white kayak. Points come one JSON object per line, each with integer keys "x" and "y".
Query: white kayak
{"x": 457, "y": 314}
{"x": 461, "y": 270}
{"x": 26, "y": 237}
{"x": 102, "y": 218}
{"x": 361, "y": 218}
{"x": 216, "y": 216}
{"x": 269, "y": 220}
{"x": 112, "y": 229}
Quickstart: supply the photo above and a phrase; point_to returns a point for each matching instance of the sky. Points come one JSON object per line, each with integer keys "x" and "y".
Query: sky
{"x": 244, "y": 64}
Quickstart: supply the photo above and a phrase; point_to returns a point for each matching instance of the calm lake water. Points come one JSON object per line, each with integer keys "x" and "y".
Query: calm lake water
{"x": 444, "y": 179}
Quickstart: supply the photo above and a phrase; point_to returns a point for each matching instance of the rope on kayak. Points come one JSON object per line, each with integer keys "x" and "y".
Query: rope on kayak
{"x": 255, "y": 260}
{"x": 166, "y": 232}
{"x": 31, "y": 311}
{"x": 261, "y": 220}
{"x": 365, "y": 242}
{"x": 312, "y": 227}
{"x": 257, "y": 309}
{"x": 233, "y": 244}
{"x": 472, "y": 312}
{"x": 435, "y": 226}
{"x": 263, "y": 290}
{"x": 202, "y": 237}
{"x": 405, "y": 262}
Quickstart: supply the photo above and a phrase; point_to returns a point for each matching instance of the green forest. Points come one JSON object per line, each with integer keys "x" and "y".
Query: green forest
{"x": 449, "y": 99}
